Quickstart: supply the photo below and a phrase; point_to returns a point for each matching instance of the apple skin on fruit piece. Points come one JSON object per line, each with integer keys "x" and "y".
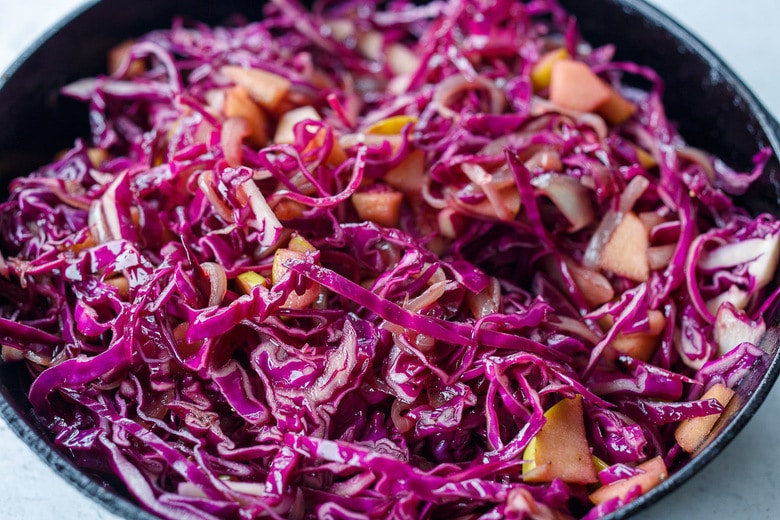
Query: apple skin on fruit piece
{"x": 625, "y": 253}
{"x": 560, "y": 450}
{"x": 575, "y": 87}
{"x": 542, "y": 71}
{"x": 691, "y": 433}
{"x": 652, "y": 473}
{"x": 381, "y": 207}
{"x": 639, "y": 345}
{"x": 278, "y": 270}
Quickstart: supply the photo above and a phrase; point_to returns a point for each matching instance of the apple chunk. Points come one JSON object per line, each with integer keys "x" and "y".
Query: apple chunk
{"x": 542, "y": 70}
{"x": 625, "y": 253}
{"x": 733, "y": 327}
{"x": 382, "y": 206}
{"x": 691, "y": 433}
{"x": 639, "y": 345}
{"x": 574, "y": 86}
{"x": 296, "y": 251}
{"x": 560, "y": 450}
{"x": 652, "y": 473}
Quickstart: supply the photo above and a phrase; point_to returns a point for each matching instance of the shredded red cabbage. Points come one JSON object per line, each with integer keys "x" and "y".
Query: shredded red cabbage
{"x": 360, "y": 263}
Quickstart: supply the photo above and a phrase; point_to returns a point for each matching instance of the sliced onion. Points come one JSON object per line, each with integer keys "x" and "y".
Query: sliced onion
{"x": 217, "y": 282}
{"x": 699, "y": 157}
{"x": 265, "y": 220}
{"x": 569, "y": 196}
{"x": 634, "y": 189}
{"x": 206, "y": 185}
{"x": 234, "y": 130}
{"x": 485, "y": 302}
{"x": 428, "y": 297}
{"x": 456, "y": 84}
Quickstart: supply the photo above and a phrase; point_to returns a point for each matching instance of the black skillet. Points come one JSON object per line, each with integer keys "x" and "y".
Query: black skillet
{"x": 714, "y": 109}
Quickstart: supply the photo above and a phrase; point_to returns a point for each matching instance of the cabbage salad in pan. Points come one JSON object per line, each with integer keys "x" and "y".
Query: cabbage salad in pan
{"x": 363, "y": 262}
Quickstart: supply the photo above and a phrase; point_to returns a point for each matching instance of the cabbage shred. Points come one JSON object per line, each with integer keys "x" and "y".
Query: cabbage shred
{"x": 338, "y": 263}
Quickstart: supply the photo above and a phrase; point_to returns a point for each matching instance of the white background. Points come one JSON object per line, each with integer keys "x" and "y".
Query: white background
{"x": 743, "y": 482}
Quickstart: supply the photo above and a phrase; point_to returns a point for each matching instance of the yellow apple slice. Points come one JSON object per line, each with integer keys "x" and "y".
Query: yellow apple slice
{"x": 560, "y": 450}
{"x": 542, "y": 70}
{"x": 391, "y": 125}
{"x": 691, "y": 433}
{"x": 246, "y": 281}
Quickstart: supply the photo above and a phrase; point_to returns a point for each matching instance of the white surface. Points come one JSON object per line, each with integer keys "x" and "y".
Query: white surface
{"x": 741, "y": 483}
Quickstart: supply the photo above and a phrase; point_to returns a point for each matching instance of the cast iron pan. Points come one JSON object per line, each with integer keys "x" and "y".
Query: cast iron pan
{"x": 714, "y": 110}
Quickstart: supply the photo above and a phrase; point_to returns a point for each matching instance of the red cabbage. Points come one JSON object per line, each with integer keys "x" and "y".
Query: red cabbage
{"x": 341, "y": 263}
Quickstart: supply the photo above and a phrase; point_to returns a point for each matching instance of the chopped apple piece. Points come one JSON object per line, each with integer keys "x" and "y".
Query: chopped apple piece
{"x": 340, "y": 29}
{"x": 401, "y": 59}
{"x": 763, "y": 268}
{"x": 408, "y": 176}
{"x": 337, "y": 154}
{"x": 616, "y": 109}
{"x": 381, "y": 207}
{"x": 574, "y": 86}
{"x": 653, "y": 472}
{"x": 264, "y": 87}
{"x": 234, "y": 130}
{"x": 732, "y": 327}
{"x": 370, "y": 44}
{"x": 278, "y": 270}
{"x": 691, "y": 433}
{"x": 238, "y": 104}
{"x": 97, "y": 156}
{"x": 659, "y": 257}
{"x": 595, "y": 288}
{"x": 246, "y": 281}
{"x": 542, "y": 70}
{"x": 560, "y": 450}
{"x": 284, "y": 130}
{"x": 625, "y": 253}
{"x": 286, "y": 209}
{"x": 639, "y": 345}
{"x": 598, "y": 464}
{"x": 733, "y": 295}
{"x": 300, "y": 245}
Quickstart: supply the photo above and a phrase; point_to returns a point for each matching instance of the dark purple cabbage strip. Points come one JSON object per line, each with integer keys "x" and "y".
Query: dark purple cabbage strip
{"x": 412, "y": 384}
